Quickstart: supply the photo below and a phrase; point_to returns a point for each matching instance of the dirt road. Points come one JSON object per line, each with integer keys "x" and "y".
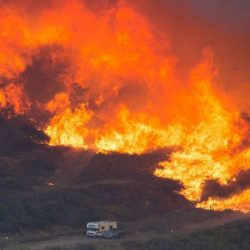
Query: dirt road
{"x": 73, "y": 241}
{"x": 65, "y": 241}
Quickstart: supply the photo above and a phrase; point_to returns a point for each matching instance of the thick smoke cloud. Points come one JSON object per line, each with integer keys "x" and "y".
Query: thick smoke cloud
{"x": 44, "y": 76}
{"x": 100, "y": 5}
{"x": 233, "y": 15}
{"x": 223, "y": 25}
{"x": 213, "y": 188}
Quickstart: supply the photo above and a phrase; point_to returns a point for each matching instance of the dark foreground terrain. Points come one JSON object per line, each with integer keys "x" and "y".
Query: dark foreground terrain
{"x": 47, "y": 188}
{"x": 190, "y": 230}
{"x": 47, "y": 194}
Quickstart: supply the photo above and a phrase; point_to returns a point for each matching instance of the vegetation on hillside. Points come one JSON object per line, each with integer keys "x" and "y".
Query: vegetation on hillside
{"x": 42, "y": 187}
{"x": 233, "y": 236}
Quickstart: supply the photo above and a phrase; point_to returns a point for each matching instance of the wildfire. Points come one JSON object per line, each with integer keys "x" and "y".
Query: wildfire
{"x": 238, "y": 202}
{"x": 68, "y": 129}
{"x": 13, "y": 94}
{"x": 207, "y": 149}
{"x": 136, "y": 134}
{"x": 110, "y": 82}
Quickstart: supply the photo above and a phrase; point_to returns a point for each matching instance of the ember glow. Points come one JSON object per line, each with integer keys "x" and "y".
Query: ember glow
{"x": 108, "y": 80}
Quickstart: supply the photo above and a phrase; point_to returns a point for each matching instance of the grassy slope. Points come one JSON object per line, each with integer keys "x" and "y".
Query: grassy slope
{"x": 87, "y": 187}
{"x": 231, "y": 236}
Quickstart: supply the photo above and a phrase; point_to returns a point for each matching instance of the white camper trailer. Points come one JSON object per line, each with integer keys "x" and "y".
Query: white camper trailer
{"x": 96, "y": 229}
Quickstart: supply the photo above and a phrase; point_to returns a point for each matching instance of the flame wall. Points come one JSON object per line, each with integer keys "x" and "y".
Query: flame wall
{"x": 132, "y": 77}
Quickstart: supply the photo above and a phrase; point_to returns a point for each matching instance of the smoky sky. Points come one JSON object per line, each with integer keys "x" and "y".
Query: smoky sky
{"x": 43, "y": 77}
{"x": 233, "y": 15}
{"x": 222, "y": 25}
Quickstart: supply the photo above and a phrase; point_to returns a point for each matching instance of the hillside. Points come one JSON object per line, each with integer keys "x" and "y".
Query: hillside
{"x": 231, "y": 236}
{"x": 43, "y": 187}
{"x": 48, "y": 192}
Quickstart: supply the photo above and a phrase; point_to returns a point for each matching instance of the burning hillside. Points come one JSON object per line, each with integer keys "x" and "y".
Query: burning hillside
{"x": 100, "y": 75}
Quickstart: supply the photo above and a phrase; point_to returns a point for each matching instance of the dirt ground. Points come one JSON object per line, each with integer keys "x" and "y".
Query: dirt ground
{"x": 73, "y": 241}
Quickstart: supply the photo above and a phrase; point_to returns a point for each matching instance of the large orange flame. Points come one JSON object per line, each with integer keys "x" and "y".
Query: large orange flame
{"x": 122, "y": 92}
{"x": 207, "y": 150}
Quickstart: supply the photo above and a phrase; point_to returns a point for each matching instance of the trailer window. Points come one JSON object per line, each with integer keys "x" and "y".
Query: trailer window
{"x": 92, "y": 229}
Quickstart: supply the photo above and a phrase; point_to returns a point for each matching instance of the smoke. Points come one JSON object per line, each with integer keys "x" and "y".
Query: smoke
{"x": 44, "y": 76}
{"x": 99, "y": 6}
{"x": 231, "y": 15}
{"x": 212, "y": 188}
{"x": 223, "y": 25}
